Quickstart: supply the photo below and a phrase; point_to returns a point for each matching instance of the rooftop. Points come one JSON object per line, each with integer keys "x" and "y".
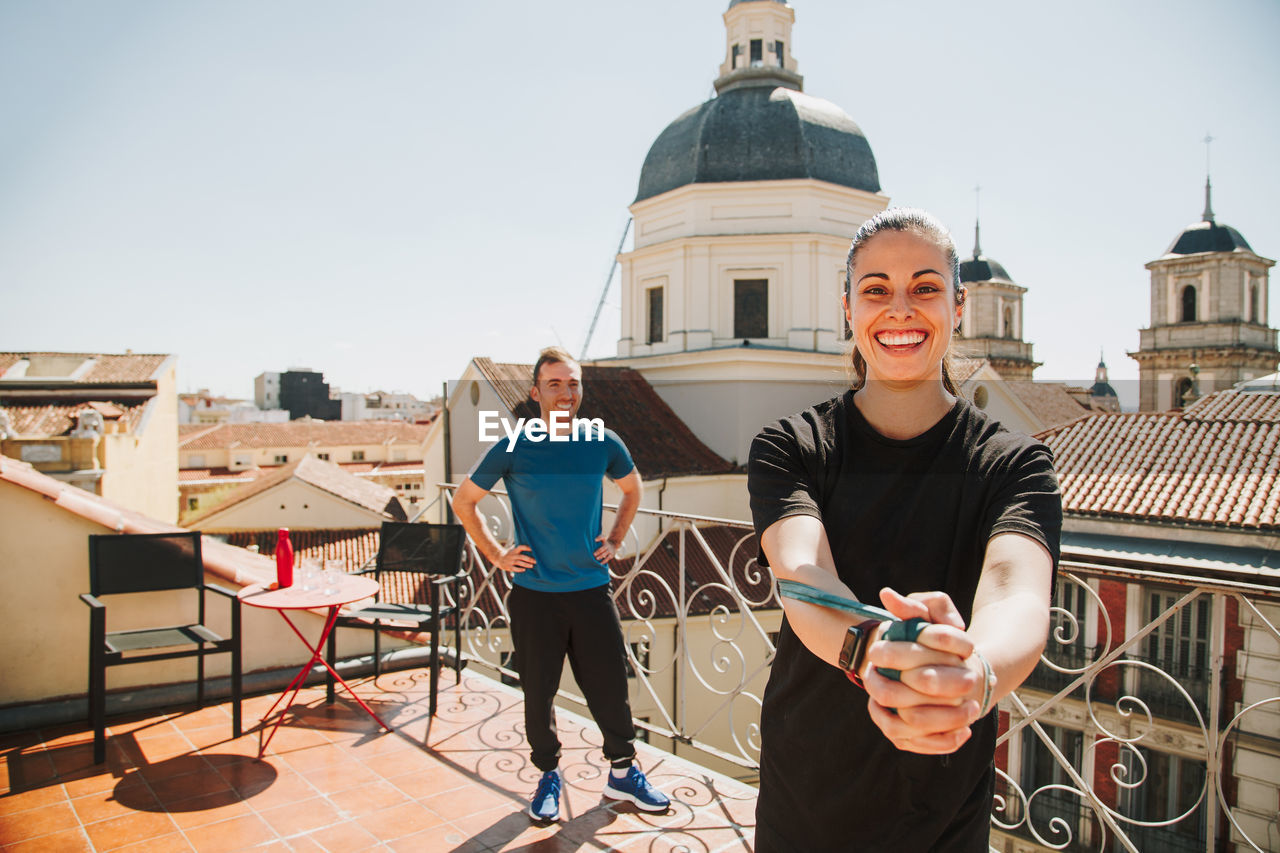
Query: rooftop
{"x": 661, "y": 444}
{"x": 330, "y": 780}
{"x": 36, "y": 419}
{"x": 299, "y": 433}
{"x": 1215, "y": 464}
{"x": 325, "y": 476}
{"x": 80, "y": 367}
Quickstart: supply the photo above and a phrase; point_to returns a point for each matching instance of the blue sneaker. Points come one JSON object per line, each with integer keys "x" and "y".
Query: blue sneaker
{"x": 545, "y": 804}
{"x": 636, "y": 788}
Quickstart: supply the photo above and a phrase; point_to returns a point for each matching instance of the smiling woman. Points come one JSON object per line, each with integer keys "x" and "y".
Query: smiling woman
{"x": 897, "y": 491}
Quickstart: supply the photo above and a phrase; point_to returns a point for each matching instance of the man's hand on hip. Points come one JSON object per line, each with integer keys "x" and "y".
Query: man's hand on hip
{"x": 515, "y": 559}
{"x": 608, "y": 548}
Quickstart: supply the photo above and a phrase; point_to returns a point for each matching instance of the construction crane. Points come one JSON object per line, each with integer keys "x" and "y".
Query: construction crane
{"x": 613, "y": 265}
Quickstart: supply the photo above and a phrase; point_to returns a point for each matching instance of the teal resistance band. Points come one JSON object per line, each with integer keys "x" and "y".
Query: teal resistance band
{"x": 898, "y": 631}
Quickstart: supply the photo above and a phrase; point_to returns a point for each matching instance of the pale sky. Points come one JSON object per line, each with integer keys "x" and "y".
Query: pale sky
{"x": 382, "y": 190}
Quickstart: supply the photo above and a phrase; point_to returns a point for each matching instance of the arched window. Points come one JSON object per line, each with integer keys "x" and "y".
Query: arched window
{"x": 1255, "y": 304}
{"x": 1189, "y": 304}
{"x": 1183, "y": 397}
{"x": 1008, "y": 322}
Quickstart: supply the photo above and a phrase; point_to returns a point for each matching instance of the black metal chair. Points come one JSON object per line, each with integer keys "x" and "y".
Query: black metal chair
{"x": 138, "y": 563}
{"x": 415, "y": 561}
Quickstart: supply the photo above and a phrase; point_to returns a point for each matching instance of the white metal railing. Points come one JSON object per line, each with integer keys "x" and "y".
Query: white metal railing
{"x": 701, "y": 649}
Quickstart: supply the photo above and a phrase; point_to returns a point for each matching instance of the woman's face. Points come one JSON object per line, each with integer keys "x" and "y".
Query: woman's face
{"x": 901, "y": 307}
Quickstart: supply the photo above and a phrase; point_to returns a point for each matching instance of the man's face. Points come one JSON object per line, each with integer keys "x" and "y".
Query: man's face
{"x": 559, "y": 388}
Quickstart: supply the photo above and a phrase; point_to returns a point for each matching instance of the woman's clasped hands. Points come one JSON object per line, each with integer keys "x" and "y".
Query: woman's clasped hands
{"x": 930, "y": 709}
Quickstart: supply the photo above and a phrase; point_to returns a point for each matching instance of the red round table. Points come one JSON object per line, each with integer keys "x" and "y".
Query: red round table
{"x": 349, "y": 588}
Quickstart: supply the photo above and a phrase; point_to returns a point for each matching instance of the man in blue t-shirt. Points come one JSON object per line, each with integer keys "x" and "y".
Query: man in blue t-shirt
{"x": 560, "y": 602}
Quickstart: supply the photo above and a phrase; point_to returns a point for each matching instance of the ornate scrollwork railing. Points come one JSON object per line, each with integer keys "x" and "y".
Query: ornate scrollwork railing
{"x": 699, "y": 612}
{"x": 696, "y": 617}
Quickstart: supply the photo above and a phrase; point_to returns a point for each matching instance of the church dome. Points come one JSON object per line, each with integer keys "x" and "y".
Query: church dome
{"x": 1208, "y": 236}
{"x": 759, "y": 133}
{"x": 979, "y": 268}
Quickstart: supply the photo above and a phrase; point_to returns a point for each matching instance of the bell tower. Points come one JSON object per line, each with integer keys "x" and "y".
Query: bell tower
{"x": 991, "y": 326}
{"x": 1209, "y": 325}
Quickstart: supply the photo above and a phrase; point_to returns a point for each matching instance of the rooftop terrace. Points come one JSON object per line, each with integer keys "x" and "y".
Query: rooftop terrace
{"x": 331, "y": 780}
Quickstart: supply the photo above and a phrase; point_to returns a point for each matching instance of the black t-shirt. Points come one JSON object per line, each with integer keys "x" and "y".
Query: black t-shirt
{"x": 914, "y": 515}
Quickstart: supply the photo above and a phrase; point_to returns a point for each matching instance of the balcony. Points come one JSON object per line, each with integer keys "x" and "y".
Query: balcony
{"x": 700, "y": 618}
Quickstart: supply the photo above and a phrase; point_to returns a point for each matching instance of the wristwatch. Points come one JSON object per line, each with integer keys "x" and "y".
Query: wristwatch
{"x": 856, "y": 640}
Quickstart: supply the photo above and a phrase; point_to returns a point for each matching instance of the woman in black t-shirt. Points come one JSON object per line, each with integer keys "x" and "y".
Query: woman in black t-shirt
{"x": 898, "y": 492}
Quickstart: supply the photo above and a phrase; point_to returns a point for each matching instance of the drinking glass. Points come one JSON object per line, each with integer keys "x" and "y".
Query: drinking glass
{"x": 332, "y": 575}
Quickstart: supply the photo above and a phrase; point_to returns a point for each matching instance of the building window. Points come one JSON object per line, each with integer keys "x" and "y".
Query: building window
{"x": 324, "y": 456}
{"x": 192, "y": 503}
{"x": 1040, "y": 769}
{"x": 777, "y": 51}
{"x": 1008, "y": 322}
{"x": 282, "y": 458}
{"x": 1184, "y": 395}
{"x": 1170, "y": 786}
{"x": 639, "y": 653}
{"x": 737, "y": 54}
{"x": 357, "y": 456}
{"x": 1180, "y": 648}
{"x": 757, "y": 52}
{"x": 1189, "y": 304}
{"x": 1255, "y": 304}
{"x": 654, "y": 334}
{"x": 751, "y": 308}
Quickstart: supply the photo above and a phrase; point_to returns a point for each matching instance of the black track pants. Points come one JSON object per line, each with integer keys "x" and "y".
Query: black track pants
{"x": 546, "y": 626}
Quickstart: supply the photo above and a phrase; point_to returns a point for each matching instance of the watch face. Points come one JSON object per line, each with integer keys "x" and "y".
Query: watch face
{"x": 850, "y": 651}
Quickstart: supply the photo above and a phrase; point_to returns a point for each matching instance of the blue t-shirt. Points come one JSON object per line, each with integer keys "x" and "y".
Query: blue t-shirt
{"x": 557, "y": 491}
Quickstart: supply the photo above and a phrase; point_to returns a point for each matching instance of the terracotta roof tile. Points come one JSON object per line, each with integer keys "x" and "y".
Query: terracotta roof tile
{"x": 661, "y": 444}
{"x": 323, "y": 475}
{"x": 1048, "y": 401}
{"x": 301, "y": 434}
{"x": 107, "y": 368}
{"x": 1214, "y": 464}
{"x": 39, "y": 419}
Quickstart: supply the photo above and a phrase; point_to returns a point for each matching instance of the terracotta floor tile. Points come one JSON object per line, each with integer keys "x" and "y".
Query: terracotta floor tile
{"x": 42, "y": 820}
{"x": 83, "y": 784}
{"x": 438, "y": 839}
{"x": 106, "y": 805}
{"x": 291, "y": 737}
{"x": 347, "y": 837}
{"x": 389, "y": 765}
{"x": 464, "y": 802}
{"x": 263, "y": 793}
{"x": 338, "y": 773}
{"x": 369, "y": 798}
{"x": 173, "y": 843}
{"x": 179, "y": 765}
{"x": 29, "y": 769}
{"x": 210, "y": 715}
{"x": 238, "y": 833}
{"x": 301, "y": 817}
{"x": 177, "y": 788}
{"x": 399, "y": 821}
{"x": 33, "y": 799}
{"x": 434, "y": 779}
{"x": 208, "y": 808}
{"x": 126, "y": 829}
{"x": 66, "y": 841}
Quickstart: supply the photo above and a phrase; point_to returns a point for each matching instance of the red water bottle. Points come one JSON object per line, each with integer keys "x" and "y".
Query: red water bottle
{"x": 284, "y": 559}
